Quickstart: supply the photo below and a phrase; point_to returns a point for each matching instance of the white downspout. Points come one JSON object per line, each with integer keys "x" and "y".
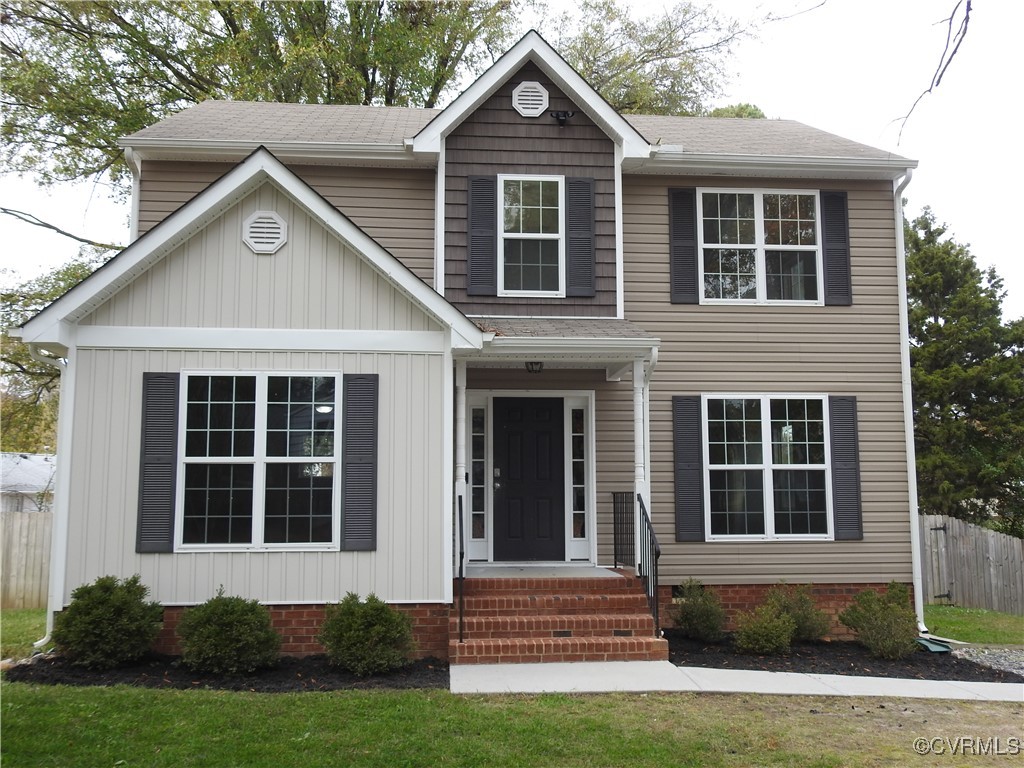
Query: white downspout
{"x": 908, "y": 403}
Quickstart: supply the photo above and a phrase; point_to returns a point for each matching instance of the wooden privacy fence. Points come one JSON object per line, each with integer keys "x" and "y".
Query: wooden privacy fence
{"x": 25, "y": 568}
{"x": 970, "y": 566}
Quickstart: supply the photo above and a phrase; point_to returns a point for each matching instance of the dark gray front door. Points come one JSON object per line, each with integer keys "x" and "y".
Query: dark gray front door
{"x": 529, "y": 479}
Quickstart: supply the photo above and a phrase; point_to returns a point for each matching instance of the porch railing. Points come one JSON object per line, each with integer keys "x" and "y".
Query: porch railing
{"x": 627, "y": 507}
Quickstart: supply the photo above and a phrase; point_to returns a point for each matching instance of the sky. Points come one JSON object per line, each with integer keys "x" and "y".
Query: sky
{"x": 850, "y": 67}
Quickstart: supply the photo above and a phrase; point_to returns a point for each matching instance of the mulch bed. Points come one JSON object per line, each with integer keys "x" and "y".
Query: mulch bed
{"x": 834, "y": 658}
{"x": 312, "y": 673}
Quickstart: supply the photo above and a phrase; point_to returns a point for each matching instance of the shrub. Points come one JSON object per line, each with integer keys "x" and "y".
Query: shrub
{"x": 228, "y": 635}
{"x": 108, "y": 623}
{"x": 700, "y": 614}
{"x": 764, "y": 631}
{"x": 797, "y": 602}
{"x": 368, "y": 637}
{"x": 884, "y": 623}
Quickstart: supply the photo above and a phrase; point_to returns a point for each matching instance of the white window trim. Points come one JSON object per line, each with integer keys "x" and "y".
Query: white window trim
{"x": 767, "y": 465}
{"x": 259, "y": 461}
{"x": 759, "y": 246}
{"x": 560, "y": 237}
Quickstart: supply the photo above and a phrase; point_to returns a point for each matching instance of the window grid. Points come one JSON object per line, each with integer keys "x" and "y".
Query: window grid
{"x": 578, "y": 454}
{"x": 478, "y": 473}
{"x": 767, "y": 466}
{"x": 531, "y": 245}
{"x": 760, "y": 246}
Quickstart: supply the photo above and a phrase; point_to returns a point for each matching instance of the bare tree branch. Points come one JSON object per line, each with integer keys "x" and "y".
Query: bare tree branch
{"x": 35, "y": 221}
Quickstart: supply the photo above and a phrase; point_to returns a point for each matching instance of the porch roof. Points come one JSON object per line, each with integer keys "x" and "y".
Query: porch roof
{"x": 563, "y": 328}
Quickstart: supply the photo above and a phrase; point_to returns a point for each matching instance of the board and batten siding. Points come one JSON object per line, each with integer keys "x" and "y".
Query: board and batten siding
{"x": 394, "y": 206}
{"x": 851, "y": 350}
{"x": 215, "y": 281}
{"x": 408, "y": 564}
{"x": 495, "y": 139}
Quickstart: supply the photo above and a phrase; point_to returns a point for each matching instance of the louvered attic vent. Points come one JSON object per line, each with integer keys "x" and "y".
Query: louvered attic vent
{"x": 530, "y": 99}
{"x": 264, "y": 232}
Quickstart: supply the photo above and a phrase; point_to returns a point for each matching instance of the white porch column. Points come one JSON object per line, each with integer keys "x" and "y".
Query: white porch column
{"x": 460, "y": 450}
{"x": 639, "y": 454}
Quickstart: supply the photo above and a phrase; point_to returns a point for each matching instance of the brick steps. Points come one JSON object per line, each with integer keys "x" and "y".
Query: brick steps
{"x": 534, "y": 620}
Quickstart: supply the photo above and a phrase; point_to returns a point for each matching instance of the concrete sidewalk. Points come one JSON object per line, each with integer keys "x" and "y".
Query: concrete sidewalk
{"x": 637, "y": 676}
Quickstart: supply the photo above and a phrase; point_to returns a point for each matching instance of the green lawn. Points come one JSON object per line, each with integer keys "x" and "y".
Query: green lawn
{"x": 63, "y": 726}
{"x": 974, "y": 625}
{"x": 19, "y": 629}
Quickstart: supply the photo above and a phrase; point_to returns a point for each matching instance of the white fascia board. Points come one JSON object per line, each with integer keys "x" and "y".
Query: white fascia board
{"x": 673, "y": 159}
{"x": 263, "y": 339}
{"x": 220, "y": 150}
{"x": 532, "y": 47}
{"x": 571, "y": 348}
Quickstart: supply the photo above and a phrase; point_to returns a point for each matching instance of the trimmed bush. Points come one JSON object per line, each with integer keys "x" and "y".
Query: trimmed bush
{"x": 108, "y": 623}
{"x": 765, "y": 631}
{"x": 797, "y": 602}
{"x": 699, "y": 613}
{"x": 366, "y": 637}
{"x": 227, "y": 636}
{"x": 885, "y": 623}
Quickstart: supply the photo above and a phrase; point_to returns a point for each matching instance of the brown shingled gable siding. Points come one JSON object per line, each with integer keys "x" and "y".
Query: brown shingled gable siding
{"x": 496, "y": 139}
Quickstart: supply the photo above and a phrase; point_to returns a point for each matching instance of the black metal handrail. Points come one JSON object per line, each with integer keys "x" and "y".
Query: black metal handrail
{"x": 462, "y": 572}
{"x": 647, "y": 564}
{"x": 623, "y": 528}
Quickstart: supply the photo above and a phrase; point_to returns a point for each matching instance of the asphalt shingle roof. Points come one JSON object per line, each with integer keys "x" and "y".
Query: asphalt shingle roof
{"x": 562, "y": 328}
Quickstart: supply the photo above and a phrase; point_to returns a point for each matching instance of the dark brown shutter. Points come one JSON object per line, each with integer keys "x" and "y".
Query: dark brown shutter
{"x": 359, "y": 461}
{"x": 159, "y": 462}
{"x": 835, "y": 228}
{"x": 580, "y": 251}
{"x": 682, "y": 246}
{"x": 689, "y": 468}
{"x": 842, "y": 416}
{"x": 482, "y": 266}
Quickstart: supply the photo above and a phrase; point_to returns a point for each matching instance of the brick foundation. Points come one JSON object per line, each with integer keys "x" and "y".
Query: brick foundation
{"x": 738, "y": 598}
{"x": 299, "y": 625}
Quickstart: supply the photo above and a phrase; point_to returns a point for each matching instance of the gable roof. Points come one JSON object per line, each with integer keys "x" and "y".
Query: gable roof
{"x": 52, "y": 327}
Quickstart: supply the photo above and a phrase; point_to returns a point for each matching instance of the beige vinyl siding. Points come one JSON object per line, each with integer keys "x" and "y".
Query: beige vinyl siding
{"x": 495, "y": 139}
{"x": 408, "y": 564}
{"x": 394, "y": 206}
{"x": 215, "y": 281}
{"x": 613, "y": 424}
{"x": 832, "y": 350}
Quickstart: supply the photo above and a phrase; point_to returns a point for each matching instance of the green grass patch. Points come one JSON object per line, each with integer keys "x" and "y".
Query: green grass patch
{"x": 19, "y": 628}
{"x": 64, "y": 726}
{"x": 974, "y": 625}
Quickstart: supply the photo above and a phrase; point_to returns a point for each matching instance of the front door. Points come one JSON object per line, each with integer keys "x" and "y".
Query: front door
{"x": 529, "y": 478}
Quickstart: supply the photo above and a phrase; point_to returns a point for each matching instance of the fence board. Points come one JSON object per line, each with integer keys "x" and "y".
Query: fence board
{"x": 25, "y": 567}
{"x": 971, "y": 566}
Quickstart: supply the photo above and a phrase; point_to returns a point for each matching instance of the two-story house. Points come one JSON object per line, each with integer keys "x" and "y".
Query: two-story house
{"x": 370, "y": 349}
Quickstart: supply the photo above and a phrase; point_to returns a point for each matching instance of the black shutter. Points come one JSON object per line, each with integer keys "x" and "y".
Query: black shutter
{"x": 359, "y": 461}
{"x": 580, "y": 251}
{"x": 682, "y": 246}
{"x": 159, "y": 463}
{"x": 842, "y": 416}
{"x": 835, "y": 228}
{"x": 482, "y": 266}
{"x": 689, "y": 468}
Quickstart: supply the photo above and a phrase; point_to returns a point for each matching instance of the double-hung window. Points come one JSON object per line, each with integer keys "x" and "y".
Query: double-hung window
{"x": 260, "y": 460}
{"x": 767, "y": 466}
{"x": 760, "y": 246}
{"x": 531, "y": 245}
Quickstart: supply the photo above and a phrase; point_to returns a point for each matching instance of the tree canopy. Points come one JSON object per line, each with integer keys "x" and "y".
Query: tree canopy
{"x": 968, "y": 379}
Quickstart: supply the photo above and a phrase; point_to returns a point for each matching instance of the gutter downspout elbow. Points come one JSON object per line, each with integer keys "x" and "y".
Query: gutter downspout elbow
{"x": 908, "y": 404}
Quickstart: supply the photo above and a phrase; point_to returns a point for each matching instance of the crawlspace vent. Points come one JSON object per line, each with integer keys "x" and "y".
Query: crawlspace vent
{"x": 264, "y": 232}
{"x": 530, "y": 99}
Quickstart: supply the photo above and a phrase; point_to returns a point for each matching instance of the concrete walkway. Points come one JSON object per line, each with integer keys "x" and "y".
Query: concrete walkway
{"x": 637, "y": 676}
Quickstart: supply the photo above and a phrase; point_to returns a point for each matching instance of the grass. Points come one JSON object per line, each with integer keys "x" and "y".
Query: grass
{"x": 122, "y": 726}
{"x": 974, "y": 625}
{"x": 19, "y": 628}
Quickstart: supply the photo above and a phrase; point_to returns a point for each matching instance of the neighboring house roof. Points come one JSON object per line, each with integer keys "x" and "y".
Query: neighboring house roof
{"x": 27, "y": 472}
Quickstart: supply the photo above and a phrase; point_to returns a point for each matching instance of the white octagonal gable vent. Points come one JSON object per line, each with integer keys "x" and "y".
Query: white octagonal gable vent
{"x": 264, "y": 232}
{"x": 530, "y": 99}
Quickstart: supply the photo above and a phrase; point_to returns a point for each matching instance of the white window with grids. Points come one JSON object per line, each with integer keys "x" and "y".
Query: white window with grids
{"x": 760, "y": 247}
{"x": 531, "y": 242}
{"x": 767, "y": 467}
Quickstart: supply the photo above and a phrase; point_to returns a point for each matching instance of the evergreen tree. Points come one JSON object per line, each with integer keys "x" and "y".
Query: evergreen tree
{"x": 968, "y": 378}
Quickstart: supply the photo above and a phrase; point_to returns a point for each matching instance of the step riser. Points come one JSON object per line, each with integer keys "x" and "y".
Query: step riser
{"x": 490, "y": 587}
{"x": 530, "y": 651}
{"x": 478, "y": 627}
{"x": 545, "y": 605}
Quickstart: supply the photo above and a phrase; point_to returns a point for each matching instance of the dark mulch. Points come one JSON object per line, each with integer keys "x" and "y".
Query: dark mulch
{"x": 310, "y": 673}
{"x": 834, "y": 658}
